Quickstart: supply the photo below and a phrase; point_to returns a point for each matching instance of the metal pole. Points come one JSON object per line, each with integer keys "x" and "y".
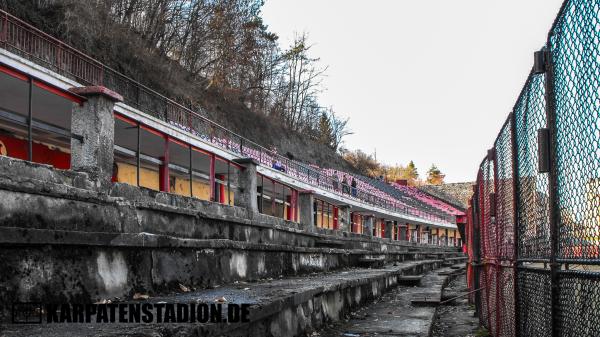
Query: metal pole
{"x": 496, "y": 225}
{"x": 322, "y": 211}
{"x": 211, "y": 178}
{"x": 283, "y": 199}
{"x": 137, "y": 153}
{"x": 191, "y": 173}
{"x": 229, "y": 183}
{"x": 476, "y": 250}
{"x": 552, "y": 188}
{"x": 30, "y": 123}
{"x": 273, "y": 196}
{"x": 262, "y": 193}
{"x": 515, "y": 205}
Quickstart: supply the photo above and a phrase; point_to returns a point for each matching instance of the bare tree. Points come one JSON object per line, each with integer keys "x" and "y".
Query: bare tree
{"x": 222, "y": 44}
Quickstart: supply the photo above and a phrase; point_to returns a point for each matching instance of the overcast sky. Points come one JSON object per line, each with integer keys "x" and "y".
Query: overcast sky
{"x": 424, "y": 80}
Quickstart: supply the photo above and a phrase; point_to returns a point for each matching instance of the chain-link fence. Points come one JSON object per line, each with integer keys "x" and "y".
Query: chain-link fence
{"x": 534, "y": 219}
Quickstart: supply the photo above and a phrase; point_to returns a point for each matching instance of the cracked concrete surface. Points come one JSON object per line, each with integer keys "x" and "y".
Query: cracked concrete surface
{"x": 393, "y": 314}
{"x": 457, "y": 319}
{"x": 308, "y": 300}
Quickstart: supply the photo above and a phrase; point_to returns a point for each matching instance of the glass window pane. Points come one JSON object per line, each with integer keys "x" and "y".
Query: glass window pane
{"x": 13, "y": 94}
{"x": 287, "y": 197}
{"x": 221, "y": 179}
{"x": 318, "y": 212}
{"x": 179, "y": 168}
{"x": 152, "y": 148}
{"x": 279, "y": 200}
{"x": 268, "y": 189}
{"x": 327, "y": 216}
{"x": 125, "y": 168}
{"x": 14, "y": 98}
{"x": 51, "y": 128}
{"x": 234, "y": 172}
{"x": 259, "y": 192}
{"x": 201, "y": 172}
{"x": 50, "y": 108}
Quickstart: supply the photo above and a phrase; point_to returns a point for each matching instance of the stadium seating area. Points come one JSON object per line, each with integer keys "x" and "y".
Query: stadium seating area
{"x": 406, "y": 199}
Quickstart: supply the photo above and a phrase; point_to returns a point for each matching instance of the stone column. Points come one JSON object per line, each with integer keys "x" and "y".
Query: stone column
{"x": 246, "y": 195}
{"x": 447, "y": 238}
{"x": 306, "y": 204}
{"x": 369, "y": 225}
{"x": 388, "y": 230}
{"x": 94, "y": 121}
{"x": 344, "y": 218}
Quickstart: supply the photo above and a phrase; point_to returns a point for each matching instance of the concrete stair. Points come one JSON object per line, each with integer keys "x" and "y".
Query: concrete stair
{"x": 290, "y": 306}
{"x": 406, "y": 310}
{"x": 63, "y": 242}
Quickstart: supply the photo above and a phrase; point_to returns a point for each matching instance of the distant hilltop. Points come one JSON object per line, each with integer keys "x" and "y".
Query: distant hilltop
{"x": 456, "y": 194}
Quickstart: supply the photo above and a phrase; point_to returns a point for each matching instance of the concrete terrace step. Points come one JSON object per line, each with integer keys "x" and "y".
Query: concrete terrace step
{"x": 329, "y": 243}
{"x": 283, "y": 307}
{"x": 453, "y": 270}
{"x": 410, "y": 280}
{"x": 404, "y": 311}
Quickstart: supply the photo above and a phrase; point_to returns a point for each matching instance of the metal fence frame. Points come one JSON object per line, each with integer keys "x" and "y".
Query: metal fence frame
{"x": 550, "y": 283}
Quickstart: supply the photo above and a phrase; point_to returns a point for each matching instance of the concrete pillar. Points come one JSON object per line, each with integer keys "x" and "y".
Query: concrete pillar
{"x": 246, "y": 195}
{"x": 94, "y": 121}
{"x": 306, "y": 204}
{"x": 369, "y": 221}
{"x": 388, "y": 230}
{"x": 403, "y": 232}
{"x": 344, "y": 219}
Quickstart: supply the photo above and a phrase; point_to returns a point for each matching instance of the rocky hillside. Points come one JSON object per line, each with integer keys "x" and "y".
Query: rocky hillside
{"x": 457, "y": 194}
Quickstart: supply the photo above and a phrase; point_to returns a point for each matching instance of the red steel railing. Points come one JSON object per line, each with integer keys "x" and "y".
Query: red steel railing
{"x": 29, "y": 42}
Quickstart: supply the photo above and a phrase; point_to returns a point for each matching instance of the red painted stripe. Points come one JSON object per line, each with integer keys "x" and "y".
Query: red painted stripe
{"x": 201, "y": 151}
{"x": 177, "y": 141}
{"x": 58, "y": 92}
{"x": 125, "y": 119}
{"x": 14, "y": 73}
{"x": 151, "y": 130}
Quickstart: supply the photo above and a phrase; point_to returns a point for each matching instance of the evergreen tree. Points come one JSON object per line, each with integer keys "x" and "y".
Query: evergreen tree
{"x": 326, "y": 135}
{"x": 435, "y": 176}
{"x": 412, "y": 170}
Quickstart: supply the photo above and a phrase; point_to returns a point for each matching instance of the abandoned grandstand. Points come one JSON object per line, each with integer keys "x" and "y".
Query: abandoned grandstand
{"x": 109, "y": 190}
{"x": 126, "y": 213}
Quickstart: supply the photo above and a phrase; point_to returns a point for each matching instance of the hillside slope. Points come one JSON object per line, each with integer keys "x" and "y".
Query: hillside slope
{"x": 457, "y": 194}
{"x": 91, "y": 30}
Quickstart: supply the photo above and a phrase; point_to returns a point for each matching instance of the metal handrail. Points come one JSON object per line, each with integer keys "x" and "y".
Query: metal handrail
{"x": 32, "y": 43}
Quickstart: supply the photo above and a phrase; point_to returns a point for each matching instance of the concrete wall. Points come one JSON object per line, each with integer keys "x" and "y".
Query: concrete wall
{"x": 64, "y": 238}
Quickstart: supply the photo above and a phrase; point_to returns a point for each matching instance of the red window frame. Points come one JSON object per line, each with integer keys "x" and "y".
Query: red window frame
{"x": 164, "y": 176}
